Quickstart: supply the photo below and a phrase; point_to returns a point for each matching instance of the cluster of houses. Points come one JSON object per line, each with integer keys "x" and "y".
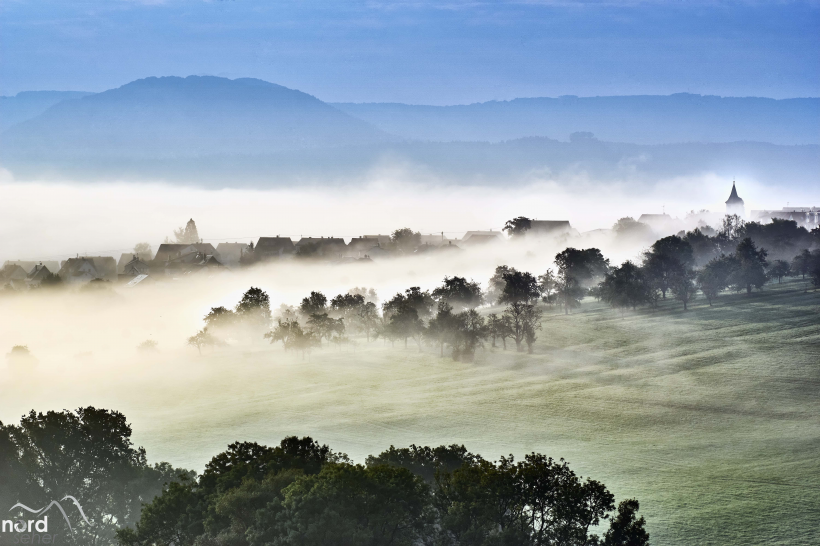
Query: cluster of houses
{"x": 188, "y": 259}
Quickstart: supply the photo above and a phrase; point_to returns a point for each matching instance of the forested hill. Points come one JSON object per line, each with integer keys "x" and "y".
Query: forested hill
{"x": 193, "y": 116}
{"x": 648, "y": 119}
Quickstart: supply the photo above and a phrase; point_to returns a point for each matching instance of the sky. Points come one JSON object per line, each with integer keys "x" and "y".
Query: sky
{"x": 420, "y": 52}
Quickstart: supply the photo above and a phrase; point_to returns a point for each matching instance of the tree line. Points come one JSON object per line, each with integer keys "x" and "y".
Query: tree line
{"x": 448, "y": 317}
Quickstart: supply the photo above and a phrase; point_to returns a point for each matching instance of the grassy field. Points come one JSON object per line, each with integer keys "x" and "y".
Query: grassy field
{"x": 711, "y": 418}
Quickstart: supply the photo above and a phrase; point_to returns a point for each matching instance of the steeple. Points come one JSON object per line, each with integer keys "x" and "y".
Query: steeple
{"x": 735, "y": 205}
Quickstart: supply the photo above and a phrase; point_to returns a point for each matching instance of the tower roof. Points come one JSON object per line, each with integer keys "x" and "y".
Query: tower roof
{"x": 734, "y": 198}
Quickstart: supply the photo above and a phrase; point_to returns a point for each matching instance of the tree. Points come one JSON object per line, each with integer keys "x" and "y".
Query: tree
{"x": 630, "y": 230}
{"x": 625, "y": 529}
{"x": 568, "y": 291}
{"x": 220, "y": 318}
{"x": 254, "y": 308}
{"x": 442, "y": 326}
{"x": 624, "y": 287}
{"x": 314, "y": 304}
{"x": 283, "y": 331}
{"x": 779, "y": 269}
{"x": 496, "y": 284}
{"x": 587, "y": 266}
{"x": 143, "y": 251}
{"x": 500, "y": 327}
{"x": 324, "y": 326}
{"x": 469, "y": 333}
{"x": 517, "y": 227}
{"x": 187, "y": 235}
{"x": 353, "y": 504}
{"x": 459, "y": 293}
{"x": 704, "y": 247}
{"x": 367, "y": 318}
{"x": 523, "y": 319}
{"x": 751, "y": 266}
{"x": 346, "y": 305}
{"x": 203, "y": 338}
{"x": 546, "y": 285}
{"x": 404, "y": 323}
{"x": 667, "y": 259}
{"x": 716, "y": 276}
{"x": 86, "y": 453}
{"x": 405, "y": 240}
{"x": 519, "y": 286}
{"x": 684, "y": 286}
{"x": 421, "y": 301}
{"x": 801, "y": 262}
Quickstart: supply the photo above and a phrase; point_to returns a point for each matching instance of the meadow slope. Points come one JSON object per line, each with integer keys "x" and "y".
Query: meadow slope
{"x": 711, "y": 418}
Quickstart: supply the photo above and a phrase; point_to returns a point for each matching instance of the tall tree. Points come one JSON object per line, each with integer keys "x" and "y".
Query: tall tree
{"x": 459, "y": 293}
{"x": 779, "y": 269}
{"x": 684, "y": 286}
{"x": 517, "y": 227}
{"x": 524, "y": 319}
{"x": 441, "y": 327}
{"x": 546, "y": 284}
{"x": 469, "y": 332}
{"x": 667, "y": 258}
{"x": 254, "y": 308}
{"x": 625, "y": 287}
{"x": 405, "y": 240}
{"x": 716, "y": 275}
{"x": 313, "y": 304}
{"x": 519, "y": 286}
{"x": 587, "y": 266}
{"x": 187, "y": 235}
{"x": 801, "y": 263}
{"x": 751, "y": 266}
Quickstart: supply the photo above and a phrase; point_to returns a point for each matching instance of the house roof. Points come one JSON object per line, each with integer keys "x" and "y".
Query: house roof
{"x": 273, "y": 243}
{"x": 549, "y": 225}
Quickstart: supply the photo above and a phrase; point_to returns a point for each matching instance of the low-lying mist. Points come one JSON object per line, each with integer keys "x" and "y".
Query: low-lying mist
{"x": 43, "y": 220}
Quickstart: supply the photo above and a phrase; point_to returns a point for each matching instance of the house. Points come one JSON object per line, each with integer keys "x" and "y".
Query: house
{"x": 231, "y": 253}
{"x": 12, "y": 275}
{"x": 168, "y": 252}
{"x": 661, "y": 223}
{"x": 321, "y": 246}
{"x": 37, "y": 274}
{"x": 270, "y": 248}
{"x": 383, "y": 239}
{"x": 473, "y": 238}
{"x": 135, "y": 267}
{"x": 79, "y": 270}
{"x": 808, "y": 217}
{"x": 28, "y": 265}
{"x": 550, "y": 228}
{"x": 734, "y": 205}
{"x": 360, "y": 246}
{"x": 429, "y": 249}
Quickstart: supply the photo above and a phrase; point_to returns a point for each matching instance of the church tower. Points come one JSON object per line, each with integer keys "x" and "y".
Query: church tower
{"x": 734, "y": 205}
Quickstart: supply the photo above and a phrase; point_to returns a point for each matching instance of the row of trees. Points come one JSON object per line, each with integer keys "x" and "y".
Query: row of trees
{"x": 303, "y": 493}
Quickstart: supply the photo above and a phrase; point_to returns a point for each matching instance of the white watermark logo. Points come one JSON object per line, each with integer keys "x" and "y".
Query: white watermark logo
{"x": 41, "y": 525}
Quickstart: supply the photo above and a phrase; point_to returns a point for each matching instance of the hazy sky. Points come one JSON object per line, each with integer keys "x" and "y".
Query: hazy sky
{"x": 456, "y": 51}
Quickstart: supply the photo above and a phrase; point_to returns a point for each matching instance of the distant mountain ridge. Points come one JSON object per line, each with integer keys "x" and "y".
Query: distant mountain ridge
{"x": 193, "y": 116}
{"x": 28, "y": 104}
{"x": 641, "y": 119}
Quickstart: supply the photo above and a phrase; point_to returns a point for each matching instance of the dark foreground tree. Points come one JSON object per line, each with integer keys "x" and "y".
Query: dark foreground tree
{"x": 778, "y": 270}
{"x": 625, "y": 287}
{"x": 517, "y": 227}
{"x": 300, "y": 493}
{"x": 87, "y": 454}
{"x": 716, "y": 276}
{"x": 751, "y": 266}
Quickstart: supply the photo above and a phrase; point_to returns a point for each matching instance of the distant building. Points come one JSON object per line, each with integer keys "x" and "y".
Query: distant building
{"x": 735, "y": 205}
{"x": 360, "y": 246}
{"x": 80, "y": 270}
{"x": 168, "y": 252}
{"x": 550, "y": 228}
{"x": 321, "y": 246}
{"x": 808, "y": 217}
{"x": 135, "y": 267}
{"x": 472, "y": 238}
{"x": 661, "y": 223}
{"x": 268, "y": 248}
{"x": 28, "y": 265}
{"x": 12, "y": 275}
{"x": 36, "y": 276}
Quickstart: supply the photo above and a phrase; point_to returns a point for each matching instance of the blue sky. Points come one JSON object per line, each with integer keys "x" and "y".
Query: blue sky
{"x": 450, "y": 52}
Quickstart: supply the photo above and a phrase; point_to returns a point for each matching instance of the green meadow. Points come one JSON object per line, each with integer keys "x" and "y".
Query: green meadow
{"x": 710, "y": 417}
